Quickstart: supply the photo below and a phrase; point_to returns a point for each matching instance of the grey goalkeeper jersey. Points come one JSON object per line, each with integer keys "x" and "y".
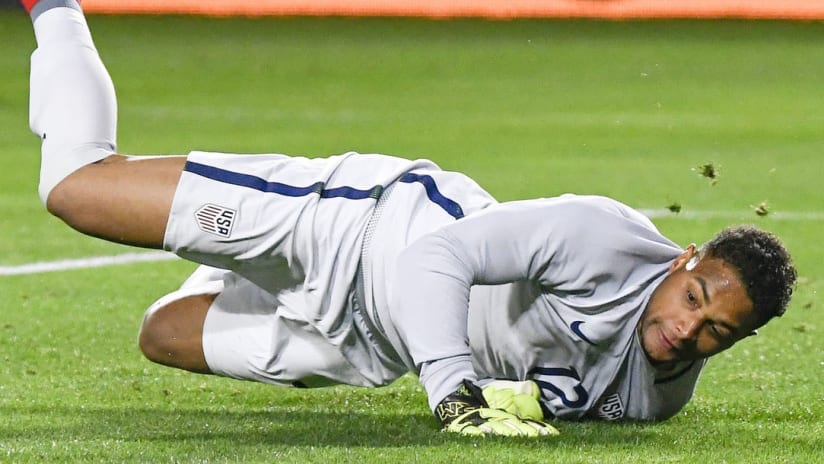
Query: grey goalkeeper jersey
{"x": 557, "y": 289}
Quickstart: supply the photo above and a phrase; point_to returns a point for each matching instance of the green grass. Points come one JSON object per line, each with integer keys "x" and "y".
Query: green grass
{"x": 528, "y": 108}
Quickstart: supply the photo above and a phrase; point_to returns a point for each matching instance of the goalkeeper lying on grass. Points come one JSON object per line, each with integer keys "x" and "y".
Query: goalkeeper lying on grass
{"x": 355, "y": 269}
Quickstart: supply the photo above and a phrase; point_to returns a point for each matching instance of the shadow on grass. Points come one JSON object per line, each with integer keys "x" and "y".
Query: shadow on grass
{"x": 273, "y": 427}
{"x": 280, "y": 427}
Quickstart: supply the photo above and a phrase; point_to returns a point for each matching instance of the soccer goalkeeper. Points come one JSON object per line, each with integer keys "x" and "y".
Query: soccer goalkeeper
{"x": 356, "y": 269}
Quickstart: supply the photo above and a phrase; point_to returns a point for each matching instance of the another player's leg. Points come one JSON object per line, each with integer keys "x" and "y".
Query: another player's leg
{"x": 74, "y": 111}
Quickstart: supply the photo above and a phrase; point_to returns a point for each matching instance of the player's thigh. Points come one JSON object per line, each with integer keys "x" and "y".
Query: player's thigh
{"x": 252, "y": 334}
{"x": 121, "y": 199}
{"x": 263, "y": 216}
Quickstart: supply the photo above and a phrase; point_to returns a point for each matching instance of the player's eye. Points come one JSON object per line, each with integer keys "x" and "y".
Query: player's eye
{"x": 691, "y": 298}
{"x": 717, "y": 331}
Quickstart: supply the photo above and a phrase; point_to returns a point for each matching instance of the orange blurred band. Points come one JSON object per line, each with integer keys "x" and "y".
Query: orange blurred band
{"x": 609, "y": 9}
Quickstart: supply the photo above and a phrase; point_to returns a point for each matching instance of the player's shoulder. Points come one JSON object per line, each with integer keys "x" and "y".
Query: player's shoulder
{"x": 570, "y": 200}
{"x": 591, "y": 207}
{"x": 595, "y": 202}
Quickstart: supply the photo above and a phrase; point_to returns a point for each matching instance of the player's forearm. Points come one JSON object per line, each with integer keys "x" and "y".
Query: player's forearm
{"x": 430, "y": 303}
{"x": 430, "y": 309}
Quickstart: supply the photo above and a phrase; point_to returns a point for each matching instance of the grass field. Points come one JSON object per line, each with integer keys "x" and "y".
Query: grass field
{"x": 528, "y": 108}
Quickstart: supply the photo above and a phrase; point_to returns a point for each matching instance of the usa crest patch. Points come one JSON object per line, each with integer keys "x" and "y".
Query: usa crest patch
{"x": 216, "y": 219}
{"x": 611, "y": 408}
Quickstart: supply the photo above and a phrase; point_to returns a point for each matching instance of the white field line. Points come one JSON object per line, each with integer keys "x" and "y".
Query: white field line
{"x": 735, "y": 215}
{"x": 85, "y": 263}
{"x": 155, "y": 256}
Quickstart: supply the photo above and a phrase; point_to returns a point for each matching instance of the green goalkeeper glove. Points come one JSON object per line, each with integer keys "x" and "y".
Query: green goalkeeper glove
{"x": 467, "y": 413}
{"x": 518, "y": 398}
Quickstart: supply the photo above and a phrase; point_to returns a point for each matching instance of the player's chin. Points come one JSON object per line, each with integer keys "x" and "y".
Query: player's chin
{"x": 659, "y": 359}
{"x": 657, "y": 352}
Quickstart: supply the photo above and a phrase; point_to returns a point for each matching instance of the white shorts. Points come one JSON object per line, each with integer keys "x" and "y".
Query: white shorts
{"x": 245, "y": 337}
{"x": 290, "y": 231}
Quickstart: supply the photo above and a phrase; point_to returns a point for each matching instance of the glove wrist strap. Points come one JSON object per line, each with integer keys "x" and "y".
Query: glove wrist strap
{"x": 466, "y": 398}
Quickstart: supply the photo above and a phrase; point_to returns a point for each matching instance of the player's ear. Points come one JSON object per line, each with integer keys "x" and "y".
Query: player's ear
{"x": 683, "y": 258}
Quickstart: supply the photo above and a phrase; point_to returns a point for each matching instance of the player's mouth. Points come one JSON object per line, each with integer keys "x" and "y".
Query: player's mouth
{"x": 667, "y": 344}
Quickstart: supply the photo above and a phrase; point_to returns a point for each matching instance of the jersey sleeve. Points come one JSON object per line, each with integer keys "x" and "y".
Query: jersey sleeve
{"x": 561, "y": 245}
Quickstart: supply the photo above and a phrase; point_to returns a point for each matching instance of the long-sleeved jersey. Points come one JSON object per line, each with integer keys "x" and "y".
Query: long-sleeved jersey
{"x": 557, "y": 289}
{"x": 395, "y": 265}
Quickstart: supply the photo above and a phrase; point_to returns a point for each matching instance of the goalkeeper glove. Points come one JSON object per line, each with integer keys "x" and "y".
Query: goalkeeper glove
{"x": 467, "y": 413}
{"x": 518, "y": 398}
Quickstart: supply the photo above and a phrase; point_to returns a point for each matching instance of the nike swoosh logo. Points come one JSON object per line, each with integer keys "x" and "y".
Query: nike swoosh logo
{"x": 576, "y": 329}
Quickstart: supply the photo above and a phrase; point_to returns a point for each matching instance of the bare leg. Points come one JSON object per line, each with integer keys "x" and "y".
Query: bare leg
{"x": 172, "y": 334}
{"x": 73, "y": 109}
{"x": 121, "y": 199}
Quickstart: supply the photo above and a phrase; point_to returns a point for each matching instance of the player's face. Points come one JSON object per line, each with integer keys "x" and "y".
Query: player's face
{"x": 696, "y": 313}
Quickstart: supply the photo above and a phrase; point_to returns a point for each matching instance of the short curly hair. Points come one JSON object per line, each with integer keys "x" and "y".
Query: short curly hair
{"x": 763, "y": 264}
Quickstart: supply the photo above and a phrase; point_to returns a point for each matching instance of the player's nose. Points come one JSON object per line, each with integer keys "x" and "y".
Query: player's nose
{"x": 688, "y": 325}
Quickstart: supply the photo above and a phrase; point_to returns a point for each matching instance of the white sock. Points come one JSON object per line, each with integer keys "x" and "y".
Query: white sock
{"x": 72, "y": 104}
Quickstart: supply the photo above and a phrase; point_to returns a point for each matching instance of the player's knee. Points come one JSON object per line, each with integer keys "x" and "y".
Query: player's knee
{"x": 77, "y": 198}
{"x": 59, "y": 201}
{"x": 171, "y": 332}
{"x": 69, "y": 201}
{"x": 152, "y": 335}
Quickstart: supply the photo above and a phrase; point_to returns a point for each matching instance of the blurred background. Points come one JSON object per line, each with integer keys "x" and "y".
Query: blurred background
{"x": 699, "y": 113}
{"x": 777, "y": 9}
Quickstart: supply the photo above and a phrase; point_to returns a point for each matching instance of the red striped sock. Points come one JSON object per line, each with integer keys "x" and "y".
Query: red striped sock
{"x": 28, "y": 4}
